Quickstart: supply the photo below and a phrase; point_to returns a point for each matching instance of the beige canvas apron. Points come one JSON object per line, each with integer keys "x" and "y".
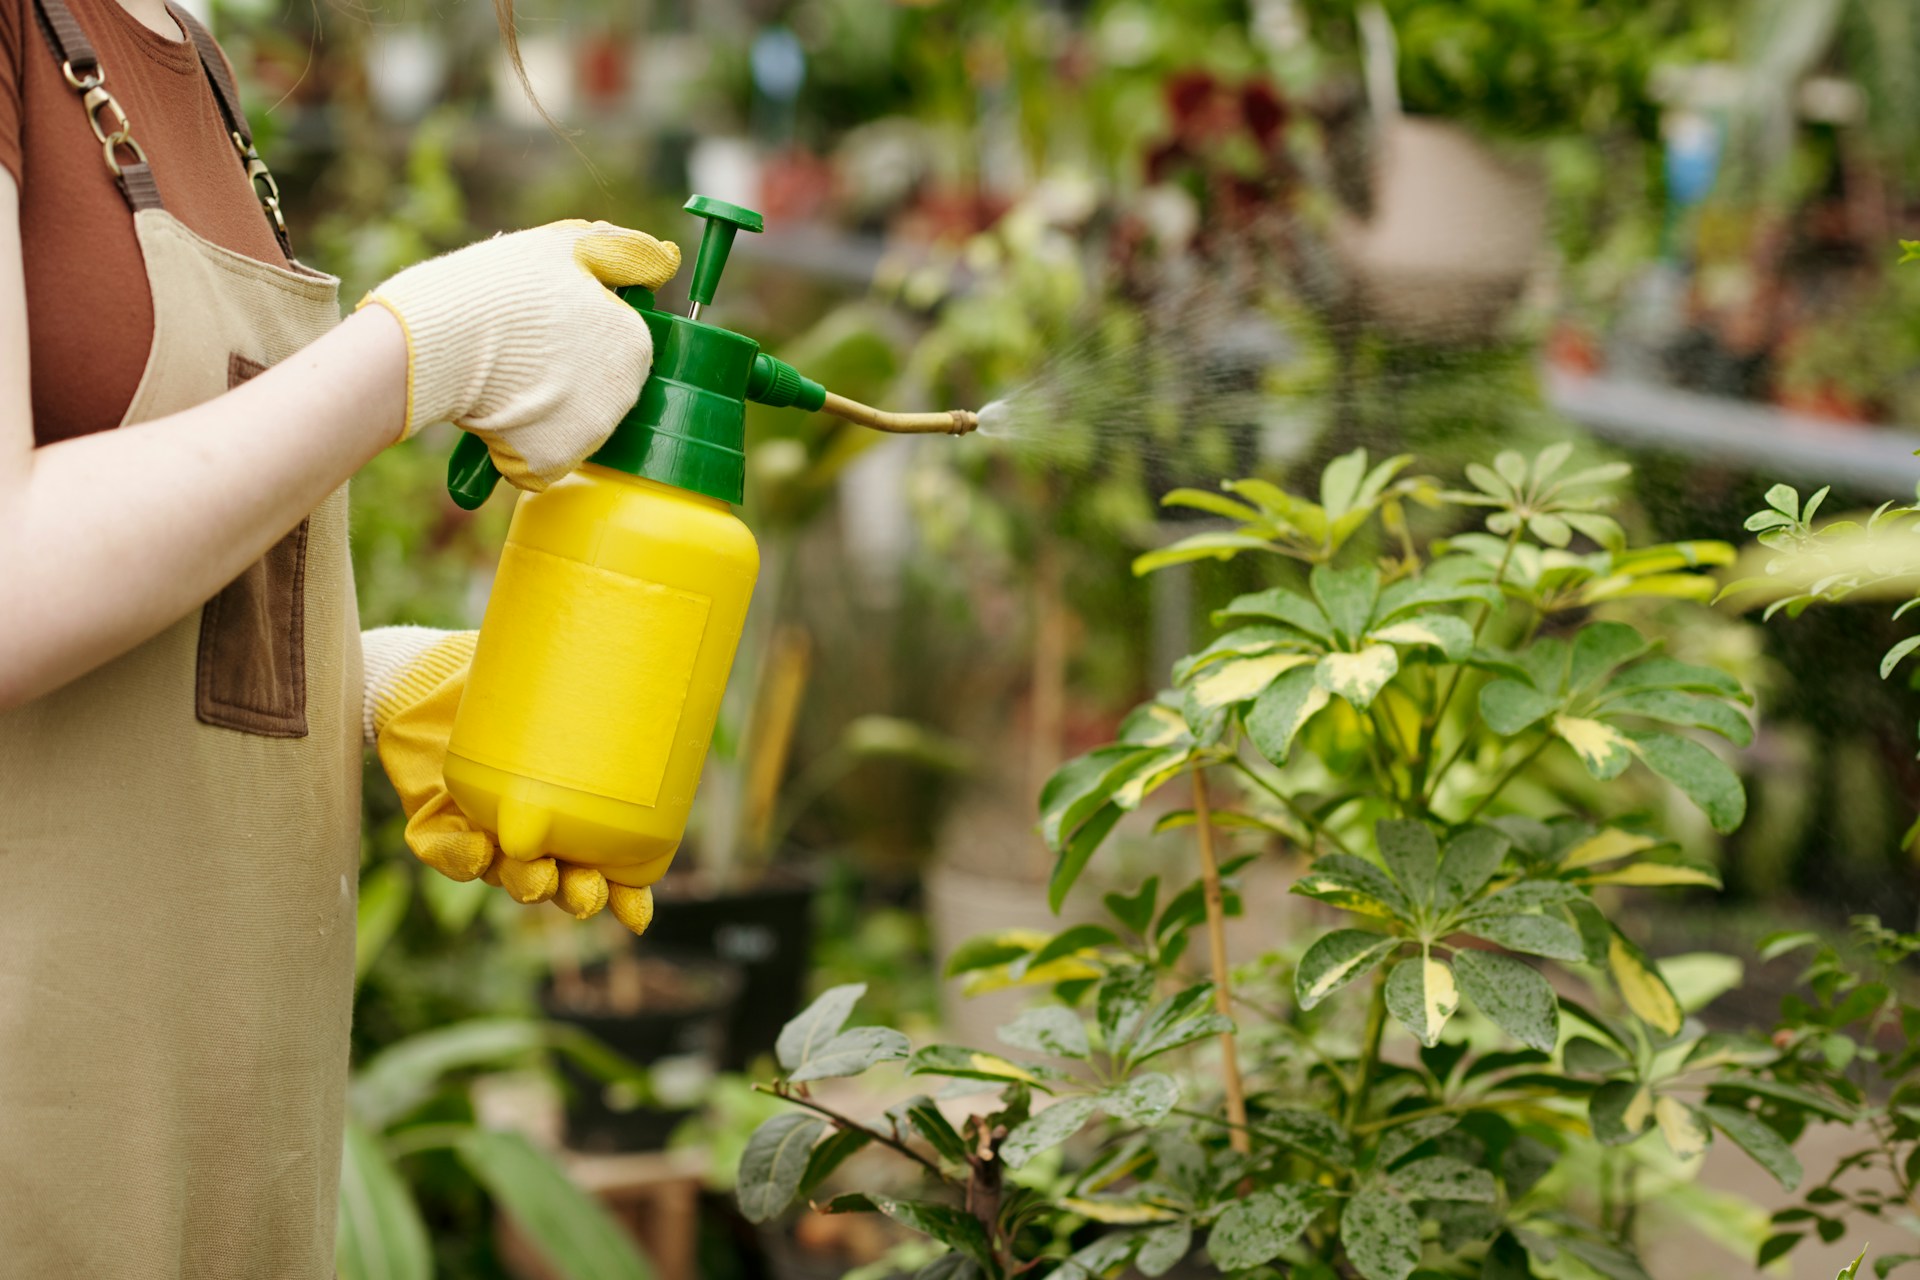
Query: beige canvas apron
{"x": 178, "y": 850}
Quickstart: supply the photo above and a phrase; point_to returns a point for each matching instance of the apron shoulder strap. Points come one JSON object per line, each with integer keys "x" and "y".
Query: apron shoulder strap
{"x": 80, "y": 66}
{"x": 227, "y": 94}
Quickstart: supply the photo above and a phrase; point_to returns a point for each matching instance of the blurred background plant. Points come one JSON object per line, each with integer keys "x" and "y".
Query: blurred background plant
{"x": 1176, "y": 241}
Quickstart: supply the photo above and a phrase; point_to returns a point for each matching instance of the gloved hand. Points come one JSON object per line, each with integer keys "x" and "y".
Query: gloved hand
{"x": 520, "y": 340}
{"x": 415, "y": 676}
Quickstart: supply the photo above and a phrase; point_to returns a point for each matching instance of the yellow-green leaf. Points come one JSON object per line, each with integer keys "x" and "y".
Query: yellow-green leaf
{"x": 1685, "y": 1132}
{"x": 1646, "y": 992}
{"x": 1118, "y": 1213}
{"x": 1357, "y": 677}
{"x": 1243, "y": 678}
{"x": 1658, "y": 874}
{"x": 1635, "y": 1116}
{"x": 1602, "y": 748}
{"x": 1169, "y": 726}
{"x": 1605, "y": 846}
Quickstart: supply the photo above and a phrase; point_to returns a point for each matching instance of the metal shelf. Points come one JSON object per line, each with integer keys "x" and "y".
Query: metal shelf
{"x": 1752, "y": 438}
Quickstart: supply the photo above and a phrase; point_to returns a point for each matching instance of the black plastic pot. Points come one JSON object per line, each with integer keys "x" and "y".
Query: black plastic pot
{"x": 679, "y": 1029}
{"x": 765, "y": 931}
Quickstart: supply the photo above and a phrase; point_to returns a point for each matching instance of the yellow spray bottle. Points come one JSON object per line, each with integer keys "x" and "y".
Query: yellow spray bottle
{"x": 620, "y": 598}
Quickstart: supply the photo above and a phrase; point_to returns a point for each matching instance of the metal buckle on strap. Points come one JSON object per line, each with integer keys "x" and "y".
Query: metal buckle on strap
{"x": 91, "y": 80}
{"x": 264, "y": 187}
{"x": 111, "y": 140}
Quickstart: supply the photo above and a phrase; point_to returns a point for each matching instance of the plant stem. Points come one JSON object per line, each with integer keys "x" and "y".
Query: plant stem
{"x": 848, "y": 1122}
{"x": 1312, "y": 823}
{"x": 1369, "y": 1050}
{"x": 1237, "y": 1137}
{"x": 1505, "y": 778}
{"x": 1432, "y": 725}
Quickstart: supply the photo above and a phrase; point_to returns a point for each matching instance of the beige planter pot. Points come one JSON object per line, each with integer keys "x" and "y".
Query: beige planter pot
{"x": 1455, "y": 234}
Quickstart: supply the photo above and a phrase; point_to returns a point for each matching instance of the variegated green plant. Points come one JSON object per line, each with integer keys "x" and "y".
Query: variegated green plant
{"x": 1375, "y": 708}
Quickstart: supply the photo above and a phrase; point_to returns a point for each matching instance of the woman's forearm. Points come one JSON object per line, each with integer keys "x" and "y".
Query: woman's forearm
{"x": 107, "y": 539}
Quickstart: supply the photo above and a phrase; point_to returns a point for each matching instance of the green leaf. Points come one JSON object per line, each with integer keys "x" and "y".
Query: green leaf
{"x": 1421, "y": 993}
{"x": 1212, "y": 545}
{"x": 1072, "y": 941}
{"x": 1412, "y": 856}
{"x": 1510, "y": 992}
{"x": 1346, "y": 596}
{"x": 830, "y": 1155}
{"x": 1078, "y": 852}
{"x": 1691, "y": 710}
{"x": 1550, "y": 529}
{"x": 1600, "y": 648}
{"x": 987, "y": 951}
{"x": 1359, "y": 677}
{"x": 1281, "y": 605}
{"x": 1176, "y": 1021}
{"x": 1282, "y": 710}
{"x": 1336, "y": 959}
{"x": 1899, "y": 651}
{"x": 1490, "y": 482}
{"x": 1586, "y": 1057}
{"x": 1404, "y": 1138}
{"x": 955, "y": 1228}
{"x": 1797, "y": 1098}
{"x": 815, "y": 1025}
{"x": 1471, "y": 859}
{"x": 569, "y": 1229}
{"x": 1340, "y": 483}
{"x": 774, "y": 1162}
{"x": 1353, "y": 884}
{"x": 952, "y": 1266}
{"x": 1619, "y": 1111}
{"x": 1144, "y": 1100}
{"x": 1312, "y": 1133}
{"x": 1162, "y": 1247}
{"x": 384, "y": 894}
{"x": 1444, "y": 1178}
{"x": 1048, "y": 1029}
{"x": 1701, "y": 775}
{"x": 1206, "y": 500}
{"x": 970, "y": 1064}
{"x": 1451, "y": 635}
{"x": 1667, "y": 673}
{"x": 1535, "y": 935}
{"x": 1507, "y": 706}
{"x": 1610, "y": 1260}
{"x": 1658, "y": 869}
{"x": 1852, "y": 1269}
{"x": 1603, "y": 749}
{"x": 1753, "y": 1136}
{"x": 1048, "y": 1128}
{"x": 1081, "y": 787}
{"x": 851, "y": 1052}
{"x": 381, "y": 1235}
{"x": 1121, "y": 1002}
{"x": 1512, "y": 468}
{"x": 1381, "y": 1235}
{"x": 923, "y": 1114}
{"x": 1413, "y": 595}
{"x": 1135, "y": 911}
{"x": 1306, "y": 517}
{"x": 1785, "y": 499}
{"x": 1254, "y": 1229}
{"x": 404, "y": 1075}
{"x": 1640, "y": 983}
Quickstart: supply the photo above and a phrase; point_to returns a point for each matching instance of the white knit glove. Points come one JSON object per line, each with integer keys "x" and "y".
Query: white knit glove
{"x": 415, "y": 676}
{"x": 520, "y": 340}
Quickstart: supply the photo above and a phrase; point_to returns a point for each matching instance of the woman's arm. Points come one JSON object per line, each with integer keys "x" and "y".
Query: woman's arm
{"x": 107, "y": 539}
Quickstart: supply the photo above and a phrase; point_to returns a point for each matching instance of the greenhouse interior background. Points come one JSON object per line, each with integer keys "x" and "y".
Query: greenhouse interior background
{"x": 1194, "y": 256}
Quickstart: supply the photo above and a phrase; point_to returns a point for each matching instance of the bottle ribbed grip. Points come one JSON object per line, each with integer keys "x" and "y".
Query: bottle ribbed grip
{"x": 784, "y": 390}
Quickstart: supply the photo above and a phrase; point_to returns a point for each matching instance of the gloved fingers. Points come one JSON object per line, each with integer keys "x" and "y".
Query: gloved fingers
{"x": 631, "y": 907}
{"x": 492, "y": 874}
{"x": 512, "y": 467}
{"x": 440, "y": 836}
{"x": 619, "y": 256}
{"x": 528, "y": 882}
{"x": 582, "y": 892}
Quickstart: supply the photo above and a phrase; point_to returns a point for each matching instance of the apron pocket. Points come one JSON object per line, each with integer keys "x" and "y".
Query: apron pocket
{"x": 252, "y": 671}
